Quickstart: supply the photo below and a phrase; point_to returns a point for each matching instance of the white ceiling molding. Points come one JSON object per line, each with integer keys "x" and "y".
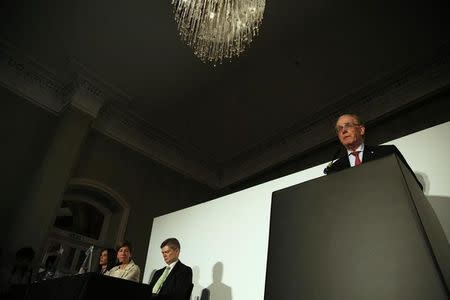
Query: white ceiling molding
{"x": 114, "y": 117}
{"x": 87, "y": 102}
{"x": 132, "y": 132}
{"x": 88, "y": 93}
{"x": 36, "y": 83}
{"x": 27, "y": 78}
{"x": 90, "y": 85}
{"x": 380, "y": 98}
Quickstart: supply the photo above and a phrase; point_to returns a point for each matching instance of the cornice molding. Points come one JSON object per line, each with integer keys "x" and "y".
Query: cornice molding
{"x": 36, "y": 83}
{"x": 27, "y": 78}
{"x": 88, "y": 93}
{"x": 91, "y": 92}
{"x": 379, "y": 98}
{"x": 129, "y": 129}
{"x": 86, "y": 101}
{"x": 113, "y": 117}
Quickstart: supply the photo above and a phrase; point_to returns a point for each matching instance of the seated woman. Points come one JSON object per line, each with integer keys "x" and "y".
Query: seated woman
{"x": 107, "y": 260}
{"x": 126, "y": 269}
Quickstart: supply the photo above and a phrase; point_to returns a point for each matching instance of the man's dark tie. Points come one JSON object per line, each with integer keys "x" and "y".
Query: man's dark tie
{"x": 357, "y": 160}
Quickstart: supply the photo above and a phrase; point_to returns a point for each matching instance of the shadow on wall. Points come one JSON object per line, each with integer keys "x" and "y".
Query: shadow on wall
{"x": 440, "y": 204}
{"x": 198, "y": 289}
{"x": 216, "y": 290}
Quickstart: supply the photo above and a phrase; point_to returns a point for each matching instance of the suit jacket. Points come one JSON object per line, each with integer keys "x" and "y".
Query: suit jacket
{"x": 370, "y": 153}
{"x": 177, "y": 286}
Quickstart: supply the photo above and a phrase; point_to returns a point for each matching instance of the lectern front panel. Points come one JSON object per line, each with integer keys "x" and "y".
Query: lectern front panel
{"x": 355, "y": 234}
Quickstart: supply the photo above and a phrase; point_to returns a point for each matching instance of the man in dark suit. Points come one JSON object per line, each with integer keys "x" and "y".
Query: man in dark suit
{"x": 174, "y": 281}
{"x": 351, "y": 131}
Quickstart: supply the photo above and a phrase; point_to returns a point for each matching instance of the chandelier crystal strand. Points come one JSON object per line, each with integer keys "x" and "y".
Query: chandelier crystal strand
{"x": 218, "y": 29}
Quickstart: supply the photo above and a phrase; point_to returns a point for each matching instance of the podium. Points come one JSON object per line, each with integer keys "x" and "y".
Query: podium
{"x": 84, "y": 286}
{"x": 362, "y": 233}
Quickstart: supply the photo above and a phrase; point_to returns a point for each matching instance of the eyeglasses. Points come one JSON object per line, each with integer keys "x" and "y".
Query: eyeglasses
{"x": 346, "y": 126}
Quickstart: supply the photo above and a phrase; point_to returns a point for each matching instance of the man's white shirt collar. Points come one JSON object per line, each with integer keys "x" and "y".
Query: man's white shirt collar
{"x": 172, "y": 265}
{"x": 360, "y": 149}
{"x": 352, "y": 158}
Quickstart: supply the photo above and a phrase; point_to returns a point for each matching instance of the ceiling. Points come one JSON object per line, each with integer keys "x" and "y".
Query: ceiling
{"x": 310, "y": 58}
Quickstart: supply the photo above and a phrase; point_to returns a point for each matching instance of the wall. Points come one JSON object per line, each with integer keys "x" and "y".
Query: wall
{"x": 149, "y": 188}
{"x": 26, "y": 133}
{"x": 422, "y": 114}
{"x": 226, "y": 240}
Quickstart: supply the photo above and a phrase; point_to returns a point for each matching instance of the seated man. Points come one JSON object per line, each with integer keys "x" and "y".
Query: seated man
{"x": 175, "y": 280}
{"x": 351, "y": 132}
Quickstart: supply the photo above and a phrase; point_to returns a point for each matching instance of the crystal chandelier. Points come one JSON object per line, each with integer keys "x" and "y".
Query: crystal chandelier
{"x": 218, "y": 29}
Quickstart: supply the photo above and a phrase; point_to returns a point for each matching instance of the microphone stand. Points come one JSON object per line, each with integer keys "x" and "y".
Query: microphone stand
{"x": 87, "y": 262}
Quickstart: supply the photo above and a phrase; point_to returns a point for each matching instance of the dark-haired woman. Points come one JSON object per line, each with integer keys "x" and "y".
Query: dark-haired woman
{"x": 107, "y": 260}
{"x": 126, "y": 269}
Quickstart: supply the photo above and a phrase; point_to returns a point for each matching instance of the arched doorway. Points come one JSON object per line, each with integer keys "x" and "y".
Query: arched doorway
{"x": 90, "y": 214}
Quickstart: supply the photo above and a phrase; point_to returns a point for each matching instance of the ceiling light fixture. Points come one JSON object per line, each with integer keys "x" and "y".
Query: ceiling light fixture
{"x": 218, "y": 29}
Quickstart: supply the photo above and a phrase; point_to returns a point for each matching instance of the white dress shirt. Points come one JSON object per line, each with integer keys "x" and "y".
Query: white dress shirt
{"x": 352, "y": 158}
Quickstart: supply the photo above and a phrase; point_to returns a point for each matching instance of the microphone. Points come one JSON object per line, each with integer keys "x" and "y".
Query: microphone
{"x": 327, "y": 169}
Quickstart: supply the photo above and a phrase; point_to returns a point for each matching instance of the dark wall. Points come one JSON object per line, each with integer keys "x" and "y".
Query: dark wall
{"x": 421, "y": 114}
{"x": 26, "y": 132}
{"x": 149, "y": 188}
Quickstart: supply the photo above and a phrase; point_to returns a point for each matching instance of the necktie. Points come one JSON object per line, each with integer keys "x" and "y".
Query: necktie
{"x": 160, "y": 281}
{"x": 356, "y": 155}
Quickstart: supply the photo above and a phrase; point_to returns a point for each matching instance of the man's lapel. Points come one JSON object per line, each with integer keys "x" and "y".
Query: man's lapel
{"x": 368, "y": 154}
{"x": 172, "y": 273}
{"x": 342, "y": 163}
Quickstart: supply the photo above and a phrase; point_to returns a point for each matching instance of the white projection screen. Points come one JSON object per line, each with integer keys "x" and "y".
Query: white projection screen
{"x": 225, "y": 240}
